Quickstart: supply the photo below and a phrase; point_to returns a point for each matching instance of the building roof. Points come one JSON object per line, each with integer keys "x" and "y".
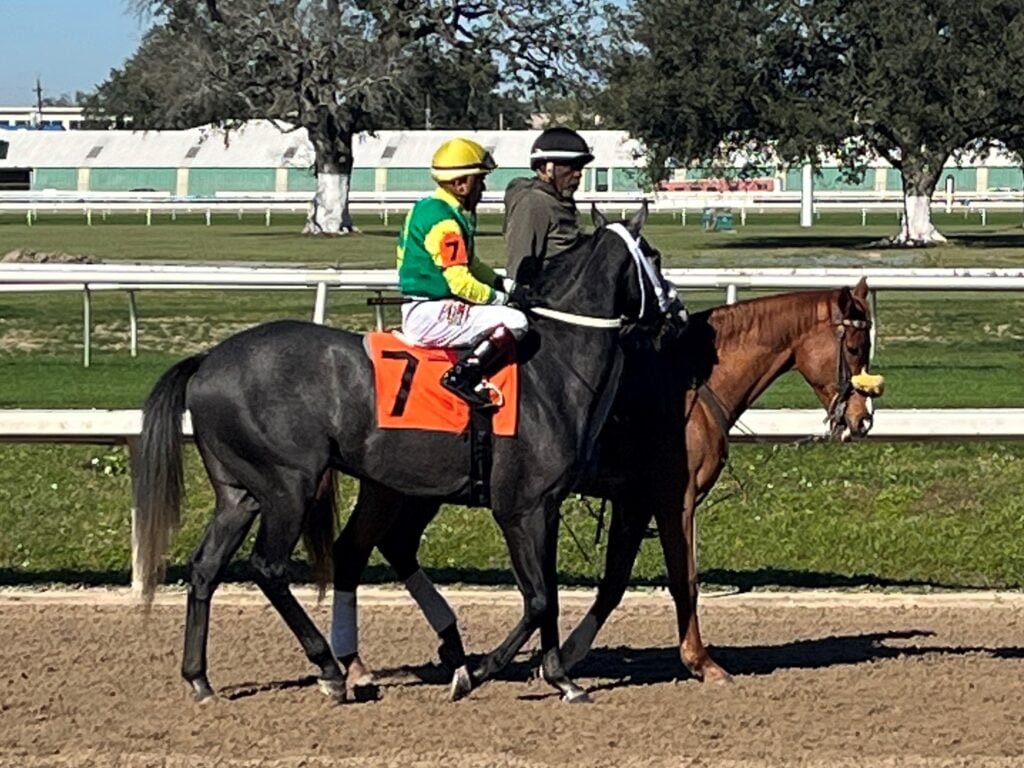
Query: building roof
{"x": 261, "y": 144}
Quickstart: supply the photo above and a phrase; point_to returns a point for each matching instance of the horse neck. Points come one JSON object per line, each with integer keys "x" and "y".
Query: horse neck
{"x": 757, "y": 341}
{"x": 573, "y": 364}
{"x": 575, "y": 281}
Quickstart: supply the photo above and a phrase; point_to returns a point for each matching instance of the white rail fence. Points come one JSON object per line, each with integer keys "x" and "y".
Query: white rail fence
{"x": 123, "y": 427}
{"x": 90, "y": 205}
{"x": 92, "y": 278}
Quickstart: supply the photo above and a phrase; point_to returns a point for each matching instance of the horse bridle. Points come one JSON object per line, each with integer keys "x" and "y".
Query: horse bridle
{"x": 844, "y": 385}
{"x": 644, "y": 268}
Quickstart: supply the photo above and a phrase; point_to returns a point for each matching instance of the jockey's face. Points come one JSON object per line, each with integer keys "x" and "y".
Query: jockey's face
{"x": 469, "y": 190}
{"x": 564, "y": 178}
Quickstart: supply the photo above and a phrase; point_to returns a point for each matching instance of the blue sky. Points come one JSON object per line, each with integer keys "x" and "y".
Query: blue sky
{"x": 71, "y": 45}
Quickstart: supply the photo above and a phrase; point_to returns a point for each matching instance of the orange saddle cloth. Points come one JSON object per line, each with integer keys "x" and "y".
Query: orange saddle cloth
{"x": 410, "y": 395}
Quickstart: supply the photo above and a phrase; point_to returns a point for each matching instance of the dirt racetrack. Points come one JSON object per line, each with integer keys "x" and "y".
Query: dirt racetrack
{"x": 820, "y": 680}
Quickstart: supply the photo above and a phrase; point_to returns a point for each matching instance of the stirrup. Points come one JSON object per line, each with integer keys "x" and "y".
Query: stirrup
{"x": 485, "y": 387}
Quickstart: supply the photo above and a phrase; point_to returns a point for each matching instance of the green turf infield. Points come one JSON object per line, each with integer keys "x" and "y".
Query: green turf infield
{"x": 814, "y": 515}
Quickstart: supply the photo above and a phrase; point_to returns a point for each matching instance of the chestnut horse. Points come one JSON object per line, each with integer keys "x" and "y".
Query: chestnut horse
{"x": 727, "y": 358}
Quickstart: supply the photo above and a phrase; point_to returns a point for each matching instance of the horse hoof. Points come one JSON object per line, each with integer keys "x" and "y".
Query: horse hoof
{"x": 202, "y": 691}
{"x": 462, "y": 683}
{"x": 577, "y": 696}
{"x": 717, "y": 677}
{"x": 333, "y": 689}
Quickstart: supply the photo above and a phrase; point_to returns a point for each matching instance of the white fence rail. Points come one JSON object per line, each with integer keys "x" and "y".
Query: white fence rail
{"x": 122, "y": 427}
{"x": 89, "y": 204}
{"x": 90, "y": 278}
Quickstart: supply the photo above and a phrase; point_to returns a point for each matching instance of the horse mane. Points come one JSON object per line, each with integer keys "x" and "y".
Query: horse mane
{"x": 787, "y": 316}
{"x": 777, "y": 320}
{"x": 560, "y": 269}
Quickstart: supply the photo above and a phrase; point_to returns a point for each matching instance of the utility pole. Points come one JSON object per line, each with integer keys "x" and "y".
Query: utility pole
{"x": 39, "y": 103}
{"x": 426, "y": 117}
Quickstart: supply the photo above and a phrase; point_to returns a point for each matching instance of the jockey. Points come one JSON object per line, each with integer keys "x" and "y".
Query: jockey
{"x": 456, "y": 299}
{"x": 540, "y": 213}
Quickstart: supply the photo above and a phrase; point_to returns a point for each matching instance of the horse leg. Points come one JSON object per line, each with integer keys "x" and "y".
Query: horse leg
{"x": 679, "y": 544}
{"x": 232, "y": 518}
{"x": 280, "y": 528}
{"x": 531, "y": 537}
{"x": 625, "y": 534}
{"x": 375, "y": 510}
{"x": 399, "y": 547}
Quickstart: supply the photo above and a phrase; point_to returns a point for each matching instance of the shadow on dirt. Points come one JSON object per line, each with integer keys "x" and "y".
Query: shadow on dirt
{"x": 241, "y": 572}
{"x": 608, "y": 668}
{"x": 611, "y": 667}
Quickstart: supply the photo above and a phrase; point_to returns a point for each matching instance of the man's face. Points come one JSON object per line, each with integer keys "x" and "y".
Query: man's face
{"x": 469, "y": 190}
{"x": 564, "y": 178}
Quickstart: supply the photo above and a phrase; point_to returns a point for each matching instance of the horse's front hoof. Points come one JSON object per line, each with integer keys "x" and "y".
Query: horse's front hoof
{"x": 202, "y": 691}
{"x": 576, "y": 695}
{"x": 462, "y": 683}
{"x": 333, "y": 689}
{"x": 365, "y": 690}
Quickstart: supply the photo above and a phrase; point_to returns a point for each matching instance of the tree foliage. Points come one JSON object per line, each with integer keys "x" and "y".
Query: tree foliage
{"x": 913, "y": 82}
{"x": 340, "y": 67}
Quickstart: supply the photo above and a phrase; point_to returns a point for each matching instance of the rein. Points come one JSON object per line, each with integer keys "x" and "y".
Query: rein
{"x": 585, "y": 321}
{"x": 844, "y": 385}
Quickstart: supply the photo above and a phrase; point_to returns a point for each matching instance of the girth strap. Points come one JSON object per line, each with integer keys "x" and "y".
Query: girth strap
{"x": 481, "y": 456}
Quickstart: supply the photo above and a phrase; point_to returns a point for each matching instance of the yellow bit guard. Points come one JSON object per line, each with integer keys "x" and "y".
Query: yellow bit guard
{"x": 870, "y": 384}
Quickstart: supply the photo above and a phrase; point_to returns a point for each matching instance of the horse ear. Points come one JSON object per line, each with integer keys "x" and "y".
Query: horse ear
{"x": 637, "y": 220}
{"x": 599, "y": 219}
{"x": 860, "y": 290}
{"x": 844, "y": 301}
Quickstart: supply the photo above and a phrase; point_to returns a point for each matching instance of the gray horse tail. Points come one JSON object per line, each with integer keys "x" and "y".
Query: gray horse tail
{"x": 319, "y": 530}
{"x": 159, "y": 482}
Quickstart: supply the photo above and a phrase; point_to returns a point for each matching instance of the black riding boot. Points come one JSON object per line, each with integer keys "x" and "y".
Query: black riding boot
{"x": 464, "y": 378}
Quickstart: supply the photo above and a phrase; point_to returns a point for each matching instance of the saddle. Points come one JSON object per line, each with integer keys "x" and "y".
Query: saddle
{"x": 409, "y": 394}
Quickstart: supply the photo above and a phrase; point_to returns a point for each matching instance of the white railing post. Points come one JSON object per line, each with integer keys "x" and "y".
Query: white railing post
{"x": 133, "y": 325}
{"x": 730, "y": 293}
{"x": 379, "y": 311}
{"x": 320, "y": 304}
{"x": 86, "y": 325}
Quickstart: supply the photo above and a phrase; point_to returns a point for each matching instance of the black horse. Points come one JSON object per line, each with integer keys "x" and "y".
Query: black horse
{"x": 277, "y": 407}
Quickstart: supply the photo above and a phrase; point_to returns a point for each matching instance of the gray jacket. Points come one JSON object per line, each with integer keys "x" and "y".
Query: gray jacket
{"x": 539, "y": 223}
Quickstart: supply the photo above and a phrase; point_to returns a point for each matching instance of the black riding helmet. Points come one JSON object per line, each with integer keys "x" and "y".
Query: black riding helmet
{"x": 560, "y": 145}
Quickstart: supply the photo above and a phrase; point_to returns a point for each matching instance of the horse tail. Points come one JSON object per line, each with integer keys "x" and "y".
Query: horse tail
{"x": 159, "y": 482}
{"x": 319, "y": 529}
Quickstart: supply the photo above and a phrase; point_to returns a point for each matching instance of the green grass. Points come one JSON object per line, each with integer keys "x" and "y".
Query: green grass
{"x": 906, "y": 515}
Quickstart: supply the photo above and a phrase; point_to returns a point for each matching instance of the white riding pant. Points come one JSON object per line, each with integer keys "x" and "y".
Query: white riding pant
{"x": 456, "y": 323}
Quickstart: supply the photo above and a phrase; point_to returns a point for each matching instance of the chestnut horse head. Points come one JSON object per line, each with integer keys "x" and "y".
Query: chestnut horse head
{"x": 737, "y": 351}
{"x": 837, "y": 364}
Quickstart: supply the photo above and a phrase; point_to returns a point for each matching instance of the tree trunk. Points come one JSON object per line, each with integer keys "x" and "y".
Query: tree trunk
{"x": 920, "y": 173}
{"x": 329, "y": 210}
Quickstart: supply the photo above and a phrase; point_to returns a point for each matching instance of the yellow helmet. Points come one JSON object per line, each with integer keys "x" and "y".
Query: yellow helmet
{"x": 460, "y": 157}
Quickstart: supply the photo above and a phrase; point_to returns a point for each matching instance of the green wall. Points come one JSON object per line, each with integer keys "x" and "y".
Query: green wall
{"x": 1006, "y": 178}
{"x": 830, "y": 180}
{"x": 55, "y": 178}
{"x": 206, "y": 182}
{"x": 125, "y": 179}
{"x": 304, "y": 180}
{"x": 626, "y": 179}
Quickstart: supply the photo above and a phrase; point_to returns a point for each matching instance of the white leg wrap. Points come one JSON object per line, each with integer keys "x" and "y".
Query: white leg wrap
{"x": 344, "y": 625}
{"x": 439, "y": 614}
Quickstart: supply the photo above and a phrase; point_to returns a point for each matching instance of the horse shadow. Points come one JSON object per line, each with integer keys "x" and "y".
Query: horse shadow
{"x": 609, "y": 668}
{"x": 613, "y": 667}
